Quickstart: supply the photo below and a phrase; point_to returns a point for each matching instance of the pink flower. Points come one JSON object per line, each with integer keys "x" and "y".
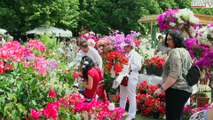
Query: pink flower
{"x": 76, "y": 74}
{"x": 50, "y": 111}
{"x": 52, "y": 93}
{"x": 36, "y": 44}
{"x": 35, "y": 114}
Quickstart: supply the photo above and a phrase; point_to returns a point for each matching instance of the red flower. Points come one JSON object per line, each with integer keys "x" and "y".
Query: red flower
{"x": 35, "y": 114}
{"x": 52, "y": 93}
{"x": 117, "y": 60}
{"x": 50, "y": 111}
{"x": 155, "y": 62}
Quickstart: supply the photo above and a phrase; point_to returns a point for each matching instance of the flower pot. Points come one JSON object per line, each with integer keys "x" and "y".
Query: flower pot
{"x": 202, "y": 100}
{"x": 156, "y": 115}
{"x": 154, "y": 71}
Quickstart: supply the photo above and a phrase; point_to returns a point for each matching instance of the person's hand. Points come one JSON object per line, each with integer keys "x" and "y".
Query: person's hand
{"x": 158, "y": 92}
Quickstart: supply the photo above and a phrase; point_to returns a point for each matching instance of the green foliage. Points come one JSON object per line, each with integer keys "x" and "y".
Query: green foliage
{"x": 103, "y": 15}
{"x": 109, "y": 82}
{"x": 50, "y": 43}
{"x": 19, "y": 92}
{"x": 22, "y": 15}
{"x": 100, "y": 16}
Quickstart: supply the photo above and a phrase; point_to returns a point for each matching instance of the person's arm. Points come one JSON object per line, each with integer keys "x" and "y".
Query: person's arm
{"x": 98, "y": 58}
{"x": 174, "y": 73}
{"x": 89, "y": 84}
{"x": 210, "y": 114}
{"x": 77, "y": 59}
{"x": 167, "y": 84}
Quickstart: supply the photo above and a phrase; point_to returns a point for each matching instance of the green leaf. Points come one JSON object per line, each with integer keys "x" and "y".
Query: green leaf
{"x": 34, "y": 102}
{"x": 21, "y": 85}
{"x": 12, "y": 96}
{"x": 33, "y": 83}
{"x": 15, "y": 114}
{"x": 8, "y": 107}
{"x": 21, "y": 108}
{"x": 2, "y": 99}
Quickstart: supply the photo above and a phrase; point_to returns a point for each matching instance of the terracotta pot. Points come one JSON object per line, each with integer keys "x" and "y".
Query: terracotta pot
{"x": 202, "y": 100}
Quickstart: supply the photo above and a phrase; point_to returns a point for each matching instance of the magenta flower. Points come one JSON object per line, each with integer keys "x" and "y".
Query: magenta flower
{"x": 51, "y": 110}
{"x": 35, "y": 114}
{"x": 165, "y": 18}
{"x": 52, "y": 93}
{"x": 36, "y": 44}
{"x": 76, "y": 74}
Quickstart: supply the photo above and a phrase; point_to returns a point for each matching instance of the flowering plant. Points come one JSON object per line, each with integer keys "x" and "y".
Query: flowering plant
{"x": 190, "y": 110}
{"x": 89, "y": 35}
{"x": 145, "y": 48}
{"x": 74, "y": 104}
{"x": 29, "y": 77}
{"x": 115, "y": 61}
{"x": 179, "y": 19}
{"x": 202, "y": 53}
{"x": 147, "y": 103}
{"x": 114, "y": 41}
{"x": 115, "y": 99}
{"x": 155, "y": 62}
{"x": 205, "y": 34}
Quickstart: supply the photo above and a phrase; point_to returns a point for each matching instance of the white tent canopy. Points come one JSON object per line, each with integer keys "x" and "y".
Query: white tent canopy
{"x": 2, "y": 31}
{"x": 51, "y": 30}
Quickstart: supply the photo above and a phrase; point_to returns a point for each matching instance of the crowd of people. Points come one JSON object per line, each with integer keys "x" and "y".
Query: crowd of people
{"x": 176, "y": 89}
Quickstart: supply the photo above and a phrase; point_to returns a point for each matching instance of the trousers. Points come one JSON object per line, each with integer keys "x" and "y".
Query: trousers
{"x": 175, "y": 101}
{"x": 130, "y": 92}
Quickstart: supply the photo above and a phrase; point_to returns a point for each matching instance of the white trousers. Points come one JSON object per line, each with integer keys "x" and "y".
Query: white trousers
{"x": 130, "y": 92}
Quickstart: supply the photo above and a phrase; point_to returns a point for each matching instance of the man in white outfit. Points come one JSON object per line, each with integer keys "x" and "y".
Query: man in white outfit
{"x": 135, "y": 64}
{"x": 86, "y": 50}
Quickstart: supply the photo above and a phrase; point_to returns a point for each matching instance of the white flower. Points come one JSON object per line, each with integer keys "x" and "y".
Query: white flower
{"x": 180, "y": 21}
{"x": 194, "y": 20}
{"x": 172, "y": 24}
{"x": 86, "y": 63}
{"x": 84, "y": 66}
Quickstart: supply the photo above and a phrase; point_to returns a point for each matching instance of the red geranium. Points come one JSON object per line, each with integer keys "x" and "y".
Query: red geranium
{"x": 155, "y": 62}
{"x": 116, "y": 60}
{"x": 147, "y": 103}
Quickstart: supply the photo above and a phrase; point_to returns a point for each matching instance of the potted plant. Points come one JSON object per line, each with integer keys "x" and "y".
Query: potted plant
{"x": 154, "y": 66}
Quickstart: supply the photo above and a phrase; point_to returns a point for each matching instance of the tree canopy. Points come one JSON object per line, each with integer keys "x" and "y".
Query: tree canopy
{"x": 100, "y": 16}
{"x": 21, "y": 15}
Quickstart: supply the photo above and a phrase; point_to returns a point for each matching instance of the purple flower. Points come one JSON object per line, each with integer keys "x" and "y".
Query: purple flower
{"x": 165, "y": 18}
{"x": 29, "y": 57}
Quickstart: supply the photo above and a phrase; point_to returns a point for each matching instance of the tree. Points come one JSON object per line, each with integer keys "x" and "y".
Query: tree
{"x": 103, "y": 15}
{"x": 21, "y": 15}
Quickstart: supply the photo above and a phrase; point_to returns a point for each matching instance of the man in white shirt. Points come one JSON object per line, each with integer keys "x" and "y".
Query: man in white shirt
{"x": 86, "y": 50}
{"x": 135, "y": 64}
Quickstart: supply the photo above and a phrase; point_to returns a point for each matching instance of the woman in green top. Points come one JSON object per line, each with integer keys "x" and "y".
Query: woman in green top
{"x": 175, "y": 86}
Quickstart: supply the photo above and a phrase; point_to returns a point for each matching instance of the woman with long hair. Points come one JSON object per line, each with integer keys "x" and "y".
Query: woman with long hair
{"x": 91, "y": 77}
